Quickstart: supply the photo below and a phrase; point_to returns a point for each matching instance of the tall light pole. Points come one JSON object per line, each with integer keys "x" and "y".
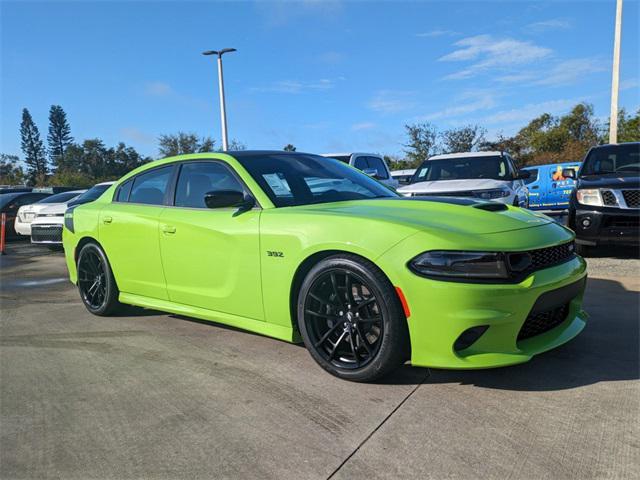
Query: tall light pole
{"x": 615, "y": 76}
{"x": 223, "y": 110}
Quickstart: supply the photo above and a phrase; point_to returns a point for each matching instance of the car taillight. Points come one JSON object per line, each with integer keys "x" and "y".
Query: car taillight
{"x": 68, "y": 219}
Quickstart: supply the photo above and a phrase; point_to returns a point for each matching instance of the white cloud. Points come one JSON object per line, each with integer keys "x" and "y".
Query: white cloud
{"x": 332, "y": 58}
{"x": 629, "y": 83}
{"x": 362, "y": 126}
{"x": 159, "y": 89}
{"x": 437, "y": 33}
{"x": 296, "y": 86}
{"x": 568, "y": 72}
{"x": 137, "y": 135}
{"x": 530, "y": 111}
{"x": 391, "y": 101}
{"x": 551, "y": 24}
{"x": 469, "y": 102}
{"x": 486, "y": 52}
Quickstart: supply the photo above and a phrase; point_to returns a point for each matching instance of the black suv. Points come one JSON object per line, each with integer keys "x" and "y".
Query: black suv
{"x": 605, "y": 206}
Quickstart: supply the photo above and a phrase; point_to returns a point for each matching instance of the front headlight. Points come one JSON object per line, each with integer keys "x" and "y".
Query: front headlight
{"x": 589, "y": 197}
{"x": 492, "y": 193}
{"x": 453, "y": 264}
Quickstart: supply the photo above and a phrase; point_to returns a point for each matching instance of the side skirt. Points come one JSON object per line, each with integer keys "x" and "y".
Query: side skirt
{"x": 264, "y": 328}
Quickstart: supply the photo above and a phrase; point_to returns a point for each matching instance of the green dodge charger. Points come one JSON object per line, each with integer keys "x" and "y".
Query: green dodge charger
{"x": 301, "y": 247}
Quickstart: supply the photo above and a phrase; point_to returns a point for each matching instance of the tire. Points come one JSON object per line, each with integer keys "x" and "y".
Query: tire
{"x": 351, "y": 320}
{"x": 516, "y": 202}
{"x": 97, "y": 287}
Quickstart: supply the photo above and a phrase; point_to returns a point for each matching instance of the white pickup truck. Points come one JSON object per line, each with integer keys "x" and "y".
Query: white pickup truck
{"x": 370, "y": 163}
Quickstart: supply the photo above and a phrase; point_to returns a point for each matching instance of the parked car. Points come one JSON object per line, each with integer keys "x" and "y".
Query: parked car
{"x": 548, "y": 188}
{"x": 605, "y": 206}
{"x": 483, "y": 175}
{"x": 403, "y": 176}
{"x": 14, "y": 189}
{"x": 364, "y": 277}
{"x": 27, "y": 213}
{"x": 370, "y": 163}
{"x": 10, "y": 203}
{"x": 47, "y": 226}
{"x": 92, "y": 194}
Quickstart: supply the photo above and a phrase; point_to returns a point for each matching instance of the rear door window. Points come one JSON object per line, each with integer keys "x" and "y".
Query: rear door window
{"x": 150, "y": 188}
{"x": 199, "y": 178}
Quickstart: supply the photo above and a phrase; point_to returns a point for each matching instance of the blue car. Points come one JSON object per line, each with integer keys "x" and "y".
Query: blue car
{"x": 548, "y": 188}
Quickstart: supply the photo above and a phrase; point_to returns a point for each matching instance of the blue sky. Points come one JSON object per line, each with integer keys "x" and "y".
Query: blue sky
{"x": 325, "y": 76}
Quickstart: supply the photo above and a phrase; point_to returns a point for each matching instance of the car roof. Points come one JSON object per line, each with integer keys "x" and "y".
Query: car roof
{"x": 466, "y": 155}
{"x": 105, "y": 183}
{"x": 348, "y": 154}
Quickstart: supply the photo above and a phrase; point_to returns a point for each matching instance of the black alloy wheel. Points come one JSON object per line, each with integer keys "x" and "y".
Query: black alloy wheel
{"x": 351, "y": 320}
{"x": 343, "y": 319}
{"x": 97, "y": 287}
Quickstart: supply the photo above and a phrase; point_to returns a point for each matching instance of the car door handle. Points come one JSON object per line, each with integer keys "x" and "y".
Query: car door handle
{"x": 168, "y": 229}
{"x": 107, "y": 220}
{"x": 535, "y": 187}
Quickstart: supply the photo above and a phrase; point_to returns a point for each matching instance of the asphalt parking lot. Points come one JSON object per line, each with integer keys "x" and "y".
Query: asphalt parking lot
{"x": 152, "y": 395}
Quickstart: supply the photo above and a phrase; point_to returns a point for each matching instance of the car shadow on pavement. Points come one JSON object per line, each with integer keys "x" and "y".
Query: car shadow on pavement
{"x": 606, "y": 350}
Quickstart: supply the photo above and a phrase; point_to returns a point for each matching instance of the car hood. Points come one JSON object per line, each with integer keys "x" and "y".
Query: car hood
{"x": 446, "y": 186}
{"x": 609, "y": 181}
{"x": 459, "y": 215}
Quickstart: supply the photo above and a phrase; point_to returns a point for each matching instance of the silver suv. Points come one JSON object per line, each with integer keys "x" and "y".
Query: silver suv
{"x": 370, "y": 163}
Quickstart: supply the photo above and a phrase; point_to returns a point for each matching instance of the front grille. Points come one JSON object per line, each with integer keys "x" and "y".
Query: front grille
{"x": 524, "y": 263}
{"x": 621, "y": 222}
{"x": 541, "y": 322}
{"x": 46, "y": 233}
{"x": 631, "y": 198}
{"x": 608, "y": 198}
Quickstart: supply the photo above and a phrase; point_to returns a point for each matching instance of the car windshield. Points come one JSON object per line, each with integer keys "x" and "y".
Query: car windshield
{"x": 493, "y": 167}
{"x": 90, "y": 195}
{"x": 60, "y": 197}
{"x": 5, "y": 198}
{"x": 300, "y": 179}
{"x": 613, "y": 160}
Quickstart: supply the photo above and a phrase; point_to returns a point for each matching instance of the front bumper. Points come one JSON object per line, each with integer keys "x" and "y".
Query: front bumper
{"x": 22, "y": 228}
{"x": 442, "y": 311}
{"x": 606, "y": 226}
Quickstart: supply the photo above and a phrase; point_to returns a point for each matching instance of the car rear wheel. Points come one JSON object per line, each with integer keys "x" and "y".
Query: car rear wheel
{"x": 351, "y": 319}
{"x": 98, "y": 289}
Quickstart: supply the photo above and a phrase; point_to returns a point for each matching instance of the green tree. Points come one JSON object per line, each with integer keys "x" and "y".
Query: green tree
{"x": 628, "y": 127}
{"x": 181, "y": 143}
{"x": 123, "y": 159}
{"x": 422, "y": 142}
{"x": 10, "y": 172}
{"x": 463, "y": 139}
{"x": 33, "y": 149}
{"x": 289, "y": 148}
{"x": 59, "y": 137}
{"x": 235, "y": 146}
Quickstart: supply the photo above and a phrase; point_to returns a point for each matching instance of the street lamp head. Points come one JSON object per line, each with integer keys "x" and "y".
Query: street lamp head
{"x": 227, "y": 50}
{"x": 219, "y": 52}
{"x": 210, "y": 52}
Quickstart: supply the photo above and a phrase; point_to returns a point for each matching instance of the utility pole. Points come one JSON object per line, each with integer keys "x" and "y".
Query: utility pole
{"x": 223, "y": 110}
{"x": 615, "y": 76}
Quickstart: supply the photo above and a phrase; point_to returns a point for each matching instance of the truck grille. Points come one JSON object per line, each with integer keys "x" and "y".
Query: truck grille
{"x": 46, "y": 233}
{"x": 631, "y": 198}
{"x": 608, "y": 198}
{"x": 541, "y": 322}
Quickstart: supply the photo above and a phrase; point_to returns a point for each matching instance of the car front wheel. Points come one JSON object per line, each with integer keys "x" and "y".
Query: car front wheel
{"x": 98, "y": 289}
{"x": 351, "y": 319}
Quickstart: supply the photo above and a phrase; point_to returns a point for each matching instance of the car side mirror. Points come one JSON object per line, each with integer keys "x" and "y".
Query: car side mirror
{"x": 372, "y": 172}
{"x": 523, "y": 174}
{"x": 569, "y": 173}
{"x": 223, "y": 198}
